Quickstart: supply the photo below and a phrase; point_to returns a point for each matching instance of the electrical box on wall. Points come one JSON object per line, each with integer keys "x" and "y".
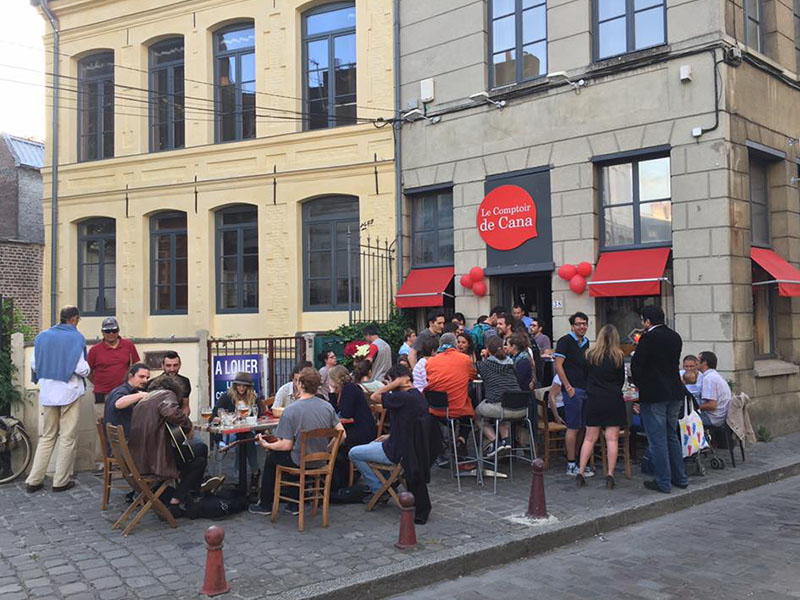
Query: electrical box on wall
{"x": 426, "y": 90}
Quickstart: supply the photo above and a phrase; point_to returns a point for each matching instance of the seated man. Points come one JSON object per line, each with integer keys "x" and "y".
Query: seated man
{"x": 151, "y": 445}
{"x": 405, "y": 403}
{"x": 716, "y": 394}
{"x": 122, "y": 399}
{"x": 307, "y": 413}
{"x": 451, "y": 371}
{"x": 290, "y": 391}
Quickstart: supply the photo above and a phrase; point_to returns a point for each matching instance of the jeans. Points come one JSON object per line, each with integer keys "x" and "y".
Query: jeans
{"x": 361, "y": 455}
{"x": 660, "y": 420}
{"x": 191, "y": 473}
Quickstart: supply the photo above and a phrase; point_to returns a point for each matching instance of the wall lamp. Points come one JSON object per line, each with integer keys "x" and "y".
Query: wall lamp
{"x": 416, "y": 114}
{"x": 576, "y": 85}
{"x": 484, "y": 97}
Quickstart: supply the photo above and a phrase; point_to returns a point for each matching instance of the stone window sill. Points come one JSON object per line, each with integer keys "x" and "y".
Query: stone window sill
{"x": 774, "y": 368}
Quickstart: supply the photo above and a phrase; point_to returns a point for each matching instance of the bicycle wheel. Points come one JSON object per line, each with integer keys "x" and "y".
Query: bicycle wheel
{"x": 16, "y": 453}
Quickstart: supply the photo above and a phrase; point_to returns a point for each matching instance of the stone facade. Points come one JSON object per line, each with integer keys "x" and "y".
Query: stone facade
{"x": 566, "y": 122}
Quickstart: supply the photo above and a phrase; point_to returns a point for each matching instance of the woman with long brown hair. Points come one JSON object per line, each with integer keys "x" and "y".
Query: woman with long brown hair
{"x": 605, "y": 408}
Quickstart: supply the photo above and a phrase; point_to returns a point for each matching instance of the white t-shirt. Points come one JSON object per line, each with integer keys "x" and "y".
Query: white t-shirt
{"x": 284, "y": 396}
{"x": 716, "y": 388}
{"x": 695, "y": 389}
{"x": 420, "y": 375}
{"x": 560, "y": 398}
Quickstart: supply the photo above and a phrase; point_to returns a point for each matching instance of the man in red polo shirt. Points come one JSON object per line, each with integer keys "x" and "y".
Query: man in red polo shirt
{"x": 110, "y": 360}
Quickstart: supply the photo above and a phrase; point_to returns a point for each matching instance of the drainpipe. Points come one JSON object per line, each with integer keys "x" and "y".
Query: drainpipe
{"x": 43, "y": 4}
{"x": 398, "y": 156}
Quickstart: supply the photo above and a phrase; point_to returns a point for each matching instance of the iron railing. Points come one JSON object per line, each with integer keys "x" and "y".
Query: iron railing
{"x": 371, "y": 292}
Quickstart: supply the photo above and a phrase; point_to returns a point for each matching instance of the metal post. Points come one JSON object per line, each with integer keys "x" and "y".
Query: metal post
{"x": 349, "y": 283}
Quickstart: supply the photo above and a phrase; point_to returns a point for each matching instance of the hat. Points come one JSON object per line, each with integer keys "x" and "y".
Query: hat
{"x": 243, "y": 378}
{"x": 109, "y": 323}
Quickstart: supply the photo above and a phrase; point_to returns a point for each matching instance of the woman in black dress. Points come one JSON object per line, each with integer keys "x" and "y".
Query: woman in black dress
{"x": 605, "y": 407}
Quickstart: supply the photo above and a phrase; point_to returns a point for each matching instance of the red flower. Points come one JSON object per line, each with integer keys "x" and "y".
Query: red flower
{"x": 352, "y": 347}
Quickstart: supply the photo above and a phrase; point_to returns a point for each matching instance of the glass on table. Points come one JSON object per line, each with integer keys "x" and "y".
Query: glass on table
{"x": 205, "y": 413}
{"x": 242, "y": 409}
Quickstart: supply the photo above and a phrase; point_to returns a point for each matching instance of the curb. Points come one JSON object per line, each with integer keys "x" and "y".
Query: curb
{"x": 475, "y": 556}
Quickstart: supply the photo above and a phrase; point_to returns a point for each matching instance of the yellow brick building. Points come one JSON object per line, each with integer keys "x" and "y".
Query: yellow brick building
{"x": 212, "y": 156}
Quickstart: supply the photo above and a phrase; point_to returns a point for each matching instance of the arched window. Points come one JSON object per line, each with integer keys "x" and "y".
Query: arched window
{"x": 235, "y": 75}
{"x": 96, "y": 106}
{"x": 169, "y": 276}
{"x": 237, "y": 259}
{"x": 329, "y": 65}
{"x": 166, "y": 91}
{"x": 330, "y": 280}
{"x": 97, "y": 266}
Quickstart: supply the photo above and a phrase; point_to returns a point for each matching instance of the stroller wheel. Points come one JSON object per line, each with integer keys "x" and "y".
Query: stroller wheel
{"x": 717, "y": 463}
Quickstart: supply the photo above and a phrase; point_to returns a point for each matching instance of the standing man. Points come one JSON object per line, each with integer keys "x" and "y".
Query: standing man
{"x": 505, "y": 326}
{"x": 171, "y": 365}
{"x": 654, "y": 370}
{"x": 59, "y": 366}
{"x": 571, "y": 368}
{"x": 715, "y": 394}
{"x": 539, "y": 337}
{"x": 380, "y": 353}
{"x": 520, "y": 314}
{"x": 434, "y": 330}
{"x": 110, "y": 360}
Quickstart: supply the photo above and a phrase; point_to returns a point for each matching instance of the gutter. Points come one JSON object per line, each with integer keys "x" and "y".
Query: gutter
{"x": 398, "y": 156}
{"x": 45, "y": 8}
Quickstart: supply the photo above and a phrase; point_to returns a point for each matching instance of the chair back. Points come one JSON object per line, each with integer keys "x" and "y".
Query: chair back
{"x": 437, "y": 400}
{"x": 102, "y": 435}
{"x": 122, "y": 453}
{"x": 308, "y": 460}
{"x": 379, "y": 412}
{"x": 515, "y": 400}
{"x": 541, "y": 403}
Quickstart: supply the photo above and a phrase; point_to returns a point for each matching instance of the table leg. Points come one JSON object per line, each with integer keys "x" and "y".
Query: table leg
{"x": 244, "y": 488}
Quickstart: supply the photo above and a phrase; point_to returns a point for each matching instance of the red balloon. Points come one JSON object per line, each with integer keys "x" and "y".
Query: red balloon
{"x": 476, "y": 273}
{"x": 577, "y": 284}
{"x": 479, "y": 288}
{"x": 466, "y": 281}
{"x": 584, "y": 269}
{"x": 567, "y": 272}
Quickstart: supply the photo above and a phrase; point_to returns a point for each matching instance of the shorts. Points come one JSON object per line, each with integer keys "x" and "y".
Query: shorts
{"x": 489, "y": 410}
{"x": 574, "y": 409}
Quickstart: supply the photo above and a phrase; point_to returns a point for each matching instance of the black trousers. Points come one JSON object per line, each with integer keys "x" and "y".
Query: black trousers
{"x": 192, "y": 472}
{"x": 268, "y": 475}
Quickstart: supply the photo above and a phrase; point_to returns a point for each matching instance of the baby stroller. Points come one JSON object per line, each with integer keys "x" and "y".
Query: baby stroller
{"x": 708, "y": 454}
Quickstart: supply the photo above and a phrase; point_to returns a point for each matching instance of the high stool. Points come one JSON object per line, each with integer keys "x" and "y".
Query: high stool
{"x": 438, "y": 401}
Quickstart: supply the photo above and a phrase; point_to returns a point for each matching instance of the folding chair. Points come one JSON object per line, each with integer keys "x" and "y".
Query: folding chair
{"x": 395, "y": 472}
{"x": 553, "y": 434}
{"x": 308, "y": 473}
{"x": 438, "y": 401}
{"x": 111, "y": 470}
{"x": 143, "y": 485}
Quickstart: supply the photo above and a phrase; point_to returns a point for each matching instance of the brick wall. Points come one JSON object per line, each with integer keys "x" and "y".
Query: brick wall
{"x": 21, "y": 278}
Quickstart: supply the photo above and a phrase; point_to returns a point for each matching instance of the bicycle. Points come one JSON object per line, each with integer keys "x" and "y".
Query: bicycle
{"x": 16, "y": 450}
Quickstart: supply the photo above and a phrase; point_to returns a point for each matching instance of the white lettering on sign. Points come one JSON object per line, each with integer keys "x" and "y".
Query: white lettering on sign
{"x": 248, "y": 365}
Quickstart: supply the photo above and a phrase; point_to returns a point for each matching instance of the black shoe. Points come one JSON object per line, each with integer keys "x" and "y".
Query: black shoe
{"x": 681, "y": 486}
{"x": 652, "y": 485}
{"x": 382, "y": 500}
{"x": 442, "y": 462}
{"x": 580, "y": 480}
{"x": 32, "y": 489}
{"x": 610, "y": 483}
{"x": 257, "y": 509}
{"x": 175, "y": 510}
{"x": 63, "y": 488}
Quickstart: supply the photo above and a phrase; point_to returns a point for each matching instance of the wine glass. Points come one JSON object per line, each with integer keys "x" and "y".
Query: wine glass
{"x": 205, "y": 413}
{"x": 243, "y": 409}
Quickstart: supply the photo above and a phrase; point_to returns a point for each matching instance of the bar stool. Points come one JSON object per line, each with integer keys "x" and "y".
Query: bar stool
{"x": 438, "y": 401}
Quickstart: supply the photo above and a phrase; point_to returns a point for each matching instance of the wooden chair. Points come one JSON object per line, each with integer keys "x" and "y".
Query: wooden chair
{"x": 394, "y": 472}
{"x": 314, "y": 482}
{"x": 553, "y": 435}
{"x": 111, "y": 470}
{"x": 143, "y": 485}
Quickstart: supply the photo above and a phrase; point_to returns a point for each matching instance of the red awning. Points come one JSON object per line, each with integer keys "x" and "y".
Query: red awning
{"x": 424, "y": 287}
{"x": 786, "y": 276}
{"x": 629, "y": 273}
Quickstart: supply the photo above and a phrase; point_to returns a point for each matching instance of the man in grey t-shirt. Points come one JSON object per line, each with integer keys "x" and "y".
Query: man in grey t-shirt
{"x": 434, "y": 330}
{"x": 380, "y": 353}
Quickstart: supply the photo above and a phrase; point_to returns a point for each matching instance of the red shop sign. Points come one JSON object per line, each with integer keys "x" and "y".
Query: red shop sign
{"x": 507, "y": 217}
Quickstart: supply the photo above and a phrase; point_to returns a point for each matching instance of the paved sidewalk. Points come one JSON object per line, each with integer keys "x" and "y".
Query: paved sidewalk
{"x": 62, "y": 546}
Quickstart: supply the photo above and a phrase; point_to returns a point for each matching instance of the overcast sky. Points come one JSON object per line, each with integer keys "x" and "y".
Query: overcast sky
{"x": 22, "y": 105}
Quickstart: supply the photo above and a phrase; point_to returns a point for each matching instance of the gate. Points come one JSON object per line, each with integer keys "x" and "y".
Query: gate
{"x": 371, "y": 291}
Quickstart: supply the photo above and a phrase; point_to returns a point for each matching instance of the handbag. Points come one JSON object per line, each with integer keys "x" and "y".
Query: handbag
{"x": 693, "y": 435}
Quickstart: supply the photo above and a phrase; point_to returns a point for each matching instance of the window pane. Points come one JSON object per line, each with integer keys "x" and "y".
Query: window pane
{"x": 607, "y": 9}
{"x": 319, "y": 292}
{"x": 341, "y": 235}
{"x": 504, "y": 33}
{"x": 649, "y": 27}
{"x": 534, "y": 60}
{"x": 181, "y": 297}
{"x": 318, "y": 114}
{"x": 346, "y": 82}
{"x": 618, "y": 184}
{"x": 425, "y": 248}
{"x": 250, "y": 241}
{"x": 110, "y": 275}
{"x": 343, "y": 297}
{"x": 109, "y": 250}
{"x": 502, "y": 7}
{"x": 163, "y": 298}
{"x": 417, "y": 213}
{"x": 109, "y": 300}
{"x": 163, "y": 269}
{"x": 250, "y": 268}
{"x": 656, "y": 221}
{"x": 762, "y": 331}
{"x": 99, "y": 227}
{"x": 90, "y": 300}
{"x": 168, "y": 51}
{"x": 170, "y": 221}
{"x": 530, "y": 3}
{"x": 331, "y": 20}
{"x": 445, "y": 211}
{"x": 611, "y": 38}
{"x": 317, "y": 54}
{"x": 181, "y": 271}
{"x": 654, "y": 180}
{"x": 619, "y": 226}
{"x": 248, "y": 111}
{"x": 163, "y": 246}
{"x": 641, "y": 4}
{"x": 226, "y": 70}
{"x": 236, "y": 40}
{"x": 446, "y": 246}
{"x": 760, "y": 223}
{"x": 228, "y": 296}
{"x": 250, "y": 295}
{"x": 229, "y": 270}
{"x": 344, "y": 50}
{"x": 319, "y": 264}
{"x": 753, "y": 34}
{"x": 319, "y": 237}
{"x": 234, "y": 216}
{"x": 317, "y": 85}
{"x": 505, "y": 68}
{"x": 759, "y": 204}
{"x": 230, "y": 243}
{"x": 334, "y": 207}
{"x": 752, "y": 9}
{"x": 91, "y": 276}
{"x": 108, "y": 145}
{"x": 534, "y": 25}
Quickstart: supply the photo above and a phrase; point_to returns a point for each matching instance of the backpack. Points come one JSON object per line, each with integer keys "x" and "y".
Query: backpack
{"x": 478, "y": 334}
{"x": 216, "y": 506}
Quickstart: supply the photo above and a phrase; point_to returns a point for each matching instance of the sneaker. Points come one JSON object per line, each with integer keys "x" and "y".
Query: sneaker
{"x": 572, "y": 469}
{"x": 442, "y": 462}
{"x": 257, "y": 509}
{"x": 212, "y": 484}
{"x": 492, "y": 449}
{"x": 505, "y": 447}
{"x": 588, "y": 472}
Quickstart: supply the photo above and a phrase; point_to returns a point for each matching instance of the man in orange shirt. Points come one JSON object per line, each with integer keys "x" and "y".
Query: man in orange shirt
{"x": 451, "y": 371}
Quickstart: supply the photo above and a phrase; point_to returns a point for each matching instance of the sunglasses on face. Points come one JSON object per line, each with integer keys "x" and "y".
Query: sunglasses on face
{"x": 110, "y": 330}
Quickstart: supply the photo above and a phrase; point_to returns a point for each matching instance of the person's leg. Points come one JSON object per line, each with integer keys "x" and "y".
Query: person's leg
{"x": 573, "y": 409}
{"x": 191, "y": 476}
{"x": 252, "y": 455}
{"x": 678, "y": 474}
{"x": 654, "y": 419}
{"x": 268, "y": 475}
{"x": 99, "y": 413}
{"x": 361, "y": 455}
{"x": 592, "y": 434}
{"x": 47, "y": 441}
{"x": 612, "y": 448}
{"x": 67, "y": 443}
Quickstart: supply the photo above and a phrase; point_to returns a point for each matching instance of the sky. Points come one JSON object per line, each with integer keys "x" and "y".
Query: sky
{"x": 22, "y": 92}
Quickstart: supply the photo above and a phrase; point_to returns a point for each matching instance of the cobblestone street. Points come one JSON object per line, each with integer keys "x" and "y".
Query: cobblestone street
{"x": 62, "y": 545}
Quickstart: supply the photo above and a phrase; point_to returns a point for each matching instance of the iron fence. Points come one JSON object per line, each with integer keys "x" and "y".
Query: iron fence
{"x": 371, "y": 290}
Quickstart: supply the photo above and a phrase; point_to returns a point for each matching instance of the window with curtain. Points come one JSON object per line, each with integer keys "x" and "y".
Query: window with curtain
{"x": 237, "y": 259}
{"x": 764, "y": 313}
{"x": 759, "y": 202}
{"x": 97, "y": 262}
{"x": 796, "y": 22}
{"x": 432, "y": 229}
{"x": 331, "y": 279}
{"x": 96, "y": 107}
{"x": 329, "y": 65}
{"x": 169, "y": 275}
{"x": 753, "y": 24}
{"x": 235, "y": 58}
{"x": 636, "y": 203}
{"x": 518, "y": 40}
{"x": 622, "y": 26}
{"x": 166, "y": 95}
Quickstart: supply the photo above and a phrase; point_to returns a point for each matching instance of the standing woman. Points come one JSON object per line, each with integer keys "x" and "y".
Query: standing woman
{"x": 328, "y": 360}
{"x": 605, "y": 407}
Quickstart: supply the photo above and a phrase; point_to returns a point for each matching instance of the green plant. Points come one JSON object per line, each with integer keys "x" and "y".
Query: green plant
{"x": 391, "y": 331}
{"x": 763, "y": 434}
{"x": 12, "y": 323}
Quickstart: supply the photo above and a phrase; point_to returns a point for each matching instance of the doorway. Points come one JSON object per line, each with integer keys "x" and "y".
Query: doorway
{"x": 534, "y": 292}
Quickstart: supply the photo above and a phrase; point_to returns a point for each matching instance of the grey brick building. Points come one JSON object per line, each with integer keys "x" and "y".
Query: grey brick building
{"x": 654, "y": 139}
{"x": 21, "y": 225}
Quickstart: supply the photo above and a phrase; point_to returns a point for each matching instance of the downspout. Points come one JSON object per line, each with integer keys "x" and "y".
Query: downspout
{"x": 398, "y": 156}
{"x": 54, "y": 166}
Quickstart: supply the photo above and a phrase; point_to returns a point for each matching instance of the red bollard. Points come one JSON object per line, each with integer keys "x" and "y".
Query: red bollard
{"x": 214, "y": 583}
{"x": 537, "y": 507}
{"x": 408, "y": 535}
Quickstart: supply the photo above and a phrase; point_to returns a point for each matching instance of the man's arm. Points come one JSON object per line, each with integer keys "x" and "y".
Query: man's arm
{"x": 82, "y": 368}
{"x": 134, "y": 355}
{"x": 565, "y": 384}
{"x": 92, "y": 361}
{"x": 412, "y": 357}
{"x": 129, "y": 400}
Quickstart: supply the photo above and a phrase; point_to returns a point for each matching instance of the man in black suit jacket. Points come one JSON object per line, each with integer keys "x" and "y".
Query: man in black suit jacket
{"x": 654, "y": 370}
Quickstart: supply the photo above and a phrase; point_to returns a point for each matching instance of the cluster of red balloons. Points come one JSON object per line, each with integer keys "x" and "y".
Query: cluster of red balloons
{"x": 576, "y": 275}
{"x": 474, "y": 281}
